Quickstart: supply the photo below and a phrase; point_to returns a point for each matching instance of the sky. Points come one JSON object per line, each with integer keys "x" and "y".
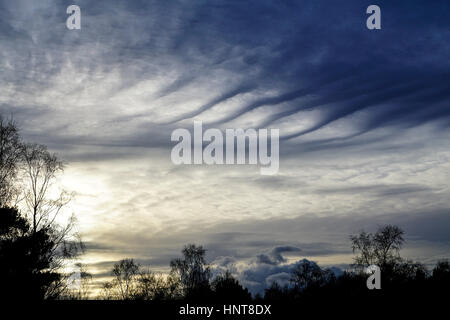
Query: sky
{"x": 363, "y": 116}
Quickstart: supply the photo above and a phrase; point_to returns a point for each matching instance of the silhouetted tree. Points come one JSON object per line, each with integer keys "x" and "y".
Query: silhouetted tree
{"x": 441, "y": 272}
{"x": 130, "y": 282}
{"x": 192, "y": 271}
{"x": 125, "y": 273}
{"x": 308, "y": 274}
{"x": 107, "y": 291}
{"x": 41, "y": 168}
{"x": 79, "y": 288}
{"x": 227, "y": 288}
{"x": 277, "y": 293}
{"x": 25, "y": 259}
{"x": 10, "y": 160}
{"x": 151, "y": 286}
{"x": 381, "y": 248}
{"x": 27, "y": 177}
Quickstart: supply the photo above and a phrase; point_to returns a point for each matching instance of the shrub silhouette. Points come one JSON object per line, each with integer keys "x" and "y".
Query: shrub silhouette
{"x": 25, "y": 259}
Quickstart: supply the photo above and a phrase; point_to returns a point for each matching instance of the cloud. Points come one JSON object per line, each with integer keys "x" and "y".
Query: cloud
{"x": 136, "y": 65}
{"x": 363, "y": 118}
{"x": 260, "y": 272}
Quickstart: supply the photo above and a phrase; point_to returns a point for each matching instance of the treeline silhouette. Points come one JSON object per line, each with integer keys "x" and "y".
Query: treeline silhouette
{"x": 190, "y": 277}
{"x": 34, "y": 249}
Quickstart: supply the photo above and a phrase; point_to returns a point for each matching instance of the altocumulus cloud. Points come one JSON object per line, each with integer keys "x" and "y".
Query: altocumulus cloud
{"x": 363, "y": 119}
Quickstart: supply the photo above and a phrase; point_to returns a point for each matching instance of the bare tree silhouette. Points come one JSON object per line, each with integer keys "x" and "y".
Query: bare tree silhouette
{"x": 308, "y": 274}
{"x": 380, "y": 248}
{"x": 193, "y": 271}
{"x": 10, "y": 161}
{"x": 41, "y": 168}
{"x": 125, "y": 272}
{"x": 131, "y": 282}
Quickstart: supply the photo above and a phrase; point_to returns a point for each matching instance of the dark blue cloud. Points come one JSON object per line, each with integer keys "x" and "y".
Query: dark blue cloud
{"x": 320, "y": 50}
